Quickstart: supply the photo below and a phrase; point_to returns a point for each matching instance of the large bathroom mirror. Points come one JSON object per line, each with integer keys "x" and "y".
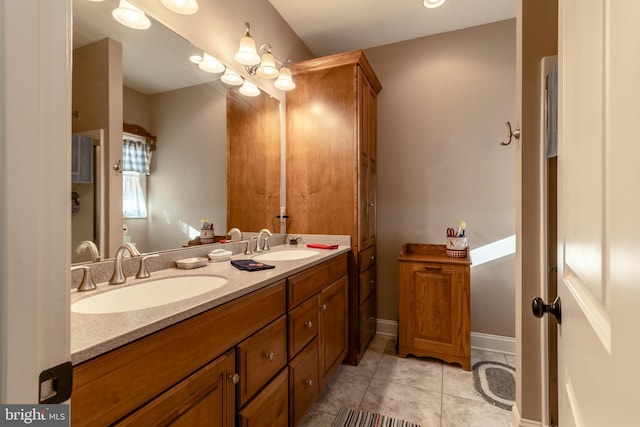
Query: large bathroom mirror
{"x": 145, "y": 78}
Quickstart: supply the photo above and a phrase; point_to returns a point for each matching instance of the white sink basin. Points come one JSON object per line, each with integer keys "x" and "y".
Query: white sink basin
{"x": 148, "y": 294}
{"x": 286, "y": 255}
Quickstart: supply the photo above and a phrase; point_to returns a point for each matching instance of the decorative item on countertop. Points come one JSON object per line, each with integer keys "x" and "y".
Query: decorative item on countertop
{"x": 321, "y": 246}
{"x": 206, "y": 232}
{"x": 189, "y": 263}
{"x": 250, "y": 265}
{"x": 457, "y": 241}
{"x": 218, "y": 255}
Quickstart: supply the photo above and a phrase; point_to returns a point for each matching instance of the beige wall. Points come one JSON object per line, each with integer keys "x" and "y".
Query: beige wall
{"x": 441, "y": 116}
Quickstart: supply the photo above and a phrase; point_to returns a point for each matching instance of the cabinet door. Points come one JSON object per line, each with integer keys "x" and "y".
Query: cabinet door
{"x": 206, "y": 398}
{"x": 367, "y": 146}
{"x": 333, "y": 328}
{"x": 434, "y": 311}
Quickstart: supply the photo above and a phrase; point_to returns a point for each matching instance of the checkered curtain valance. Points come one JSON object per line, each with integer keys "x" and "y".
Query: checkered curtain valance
{"x": 136, "y": 156}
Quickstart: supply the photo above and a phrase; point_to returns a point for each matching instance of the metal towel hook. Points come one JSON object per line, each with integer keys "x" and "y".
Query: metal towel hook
{"x": 512, "y": 134}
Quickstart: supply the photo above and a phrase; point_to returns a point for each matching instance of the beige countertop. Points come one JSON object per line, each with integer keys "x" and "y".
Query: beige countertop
{"x": 95, "y": 334}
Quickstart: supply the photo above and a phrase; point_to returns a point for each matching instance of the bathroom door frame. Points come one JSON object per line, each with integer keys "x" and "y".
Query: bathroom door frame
{"x": 35, "y": 214}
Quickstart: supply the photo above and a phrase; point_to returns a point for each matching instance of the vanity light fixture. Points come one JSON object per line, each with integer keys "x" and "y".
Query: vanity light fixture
{"x": 247, "y": 54}
{"x": 232, "y": 78}
{"x": 130, "y": 16}
{"x": 210, "y": 64}
{"x": 183, "y": 7}
{"x": 432, "y": 4}
{"x": 249, "y": 89}
{"x": 262, "y": 62}
{"x": 285, "y": 82}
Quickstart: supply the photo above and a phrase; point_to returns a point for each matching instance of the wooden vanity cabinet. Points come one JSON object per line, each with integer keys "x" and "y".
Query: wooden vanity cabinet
{"x": 318, "y": 341}
{"x": 332, "y": 166}
{"x": 259, "y": 360}
{"x": 117, "y": 384}
{"x": 434, "y": 304}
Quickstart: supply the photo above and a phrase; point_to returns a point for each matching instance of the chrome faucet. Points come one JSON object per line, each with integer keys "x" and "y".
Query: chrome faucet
{"x": 234, "y": 231}
{"x": 118, "y": 276}
{"x": 91, "y": 246}
{"x": 247, "y": 248}
{"x": 265, "y": 246}
{"x": 87, "y": 282}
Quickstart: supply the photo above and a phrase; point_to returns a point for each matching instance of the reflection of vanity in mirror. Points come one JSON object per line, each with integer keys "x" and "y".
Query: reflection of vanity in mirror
{"x": 217, "y": 154}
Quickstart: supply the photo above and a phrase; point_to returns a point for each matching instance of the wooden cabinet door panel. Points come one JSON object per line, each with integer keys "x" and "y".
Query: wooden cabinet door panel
{"x": 333, "y": 328}
{"x": 206, "y": 398}
{"x": 434, "y": 311}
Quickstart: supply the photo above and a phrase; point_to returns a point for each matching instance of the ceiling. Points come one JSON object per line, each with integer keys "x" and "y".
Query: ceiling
{"x": 333, "y": 26}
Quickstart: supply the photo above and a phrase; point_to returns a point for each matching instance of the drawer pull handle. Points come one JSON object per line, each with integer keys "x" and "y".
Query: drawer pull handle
{"x": 271, "y": 356}
{"x": 432, "y": 267}
{"x": 372, "y": 281}
{"x": 323, "y": 306}
{"x": 308, "y": 383}
{"x": 372, "y": 257}
{"x": 308, "y": 324}
{"x": 234, "y": 378}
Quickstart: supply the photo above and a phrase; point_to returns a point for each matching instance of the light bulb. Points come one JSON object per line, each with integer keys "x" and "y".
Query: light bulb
{"x": 267, "y": 68}
{"x": 247, "y": 54}
{"x": 285, "y": 82}
{"x": 432, "y": 4}
{"x": 249, "y": 89}
{"x": 210, "y": 64}
{"x": 130, "y": 16}
{"x": 184, "y": 7}
{"x": 232, "y": 78}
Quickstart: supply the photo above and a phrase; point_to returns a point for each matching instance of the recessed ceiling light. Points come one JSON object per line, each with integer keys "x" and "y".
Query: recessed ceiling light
{"x": 431, "y": 4}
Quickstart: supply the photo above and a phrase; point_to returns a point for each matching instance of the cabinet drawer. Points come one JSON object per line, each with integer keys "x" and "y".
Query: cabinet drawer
{"x": 368, "y": 320}
{"x": 303, "y": 382}
{"x": 260, "y": 357}
{"x": 270, "y": 408}
{"x": 303, "y": 325}
{"x": 367, "y": 283}
{"x": 366, "y": 258}
{"x": 309, "y": 282}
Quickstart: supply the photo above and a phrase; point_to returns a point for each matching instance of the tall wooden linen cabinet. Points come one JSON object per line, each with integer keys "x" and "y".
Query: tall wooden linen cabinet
{"x": 331, "y": 171}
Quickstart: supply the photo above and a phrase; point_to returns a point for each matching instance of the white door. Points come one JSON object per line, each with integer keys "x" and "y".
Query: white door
{"x": 35, "y": 184}
{"x": 599, "y": 204}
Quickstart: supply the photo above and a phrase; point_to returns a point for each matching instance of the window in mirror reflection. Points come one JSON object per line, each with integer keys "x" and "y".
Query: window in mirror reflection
{"x": 136, "y": 164}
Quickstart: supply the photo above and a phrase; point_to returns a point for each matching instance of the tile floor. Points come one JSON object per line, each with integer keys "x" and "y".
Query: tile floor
{"x": 420, "y": 390}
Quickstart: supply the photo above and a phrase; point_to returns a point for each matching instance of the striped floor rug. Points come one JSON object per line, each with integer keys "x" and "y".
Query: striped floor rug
{"x": 354, "y": 418}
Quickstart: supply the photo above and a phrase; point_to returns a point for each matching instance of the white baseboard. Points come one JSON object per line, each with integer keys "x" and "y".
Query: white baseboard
{"x": 479, "y": 341}
{"x": 517, "y": 421}
{"x": 387, "y": 328}
{"x": 495, "y": 343}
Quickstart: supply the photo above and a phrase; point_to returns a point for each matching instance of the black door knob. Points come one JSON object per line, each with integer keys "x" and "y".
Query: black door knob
{"x": 540, "y": 308}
